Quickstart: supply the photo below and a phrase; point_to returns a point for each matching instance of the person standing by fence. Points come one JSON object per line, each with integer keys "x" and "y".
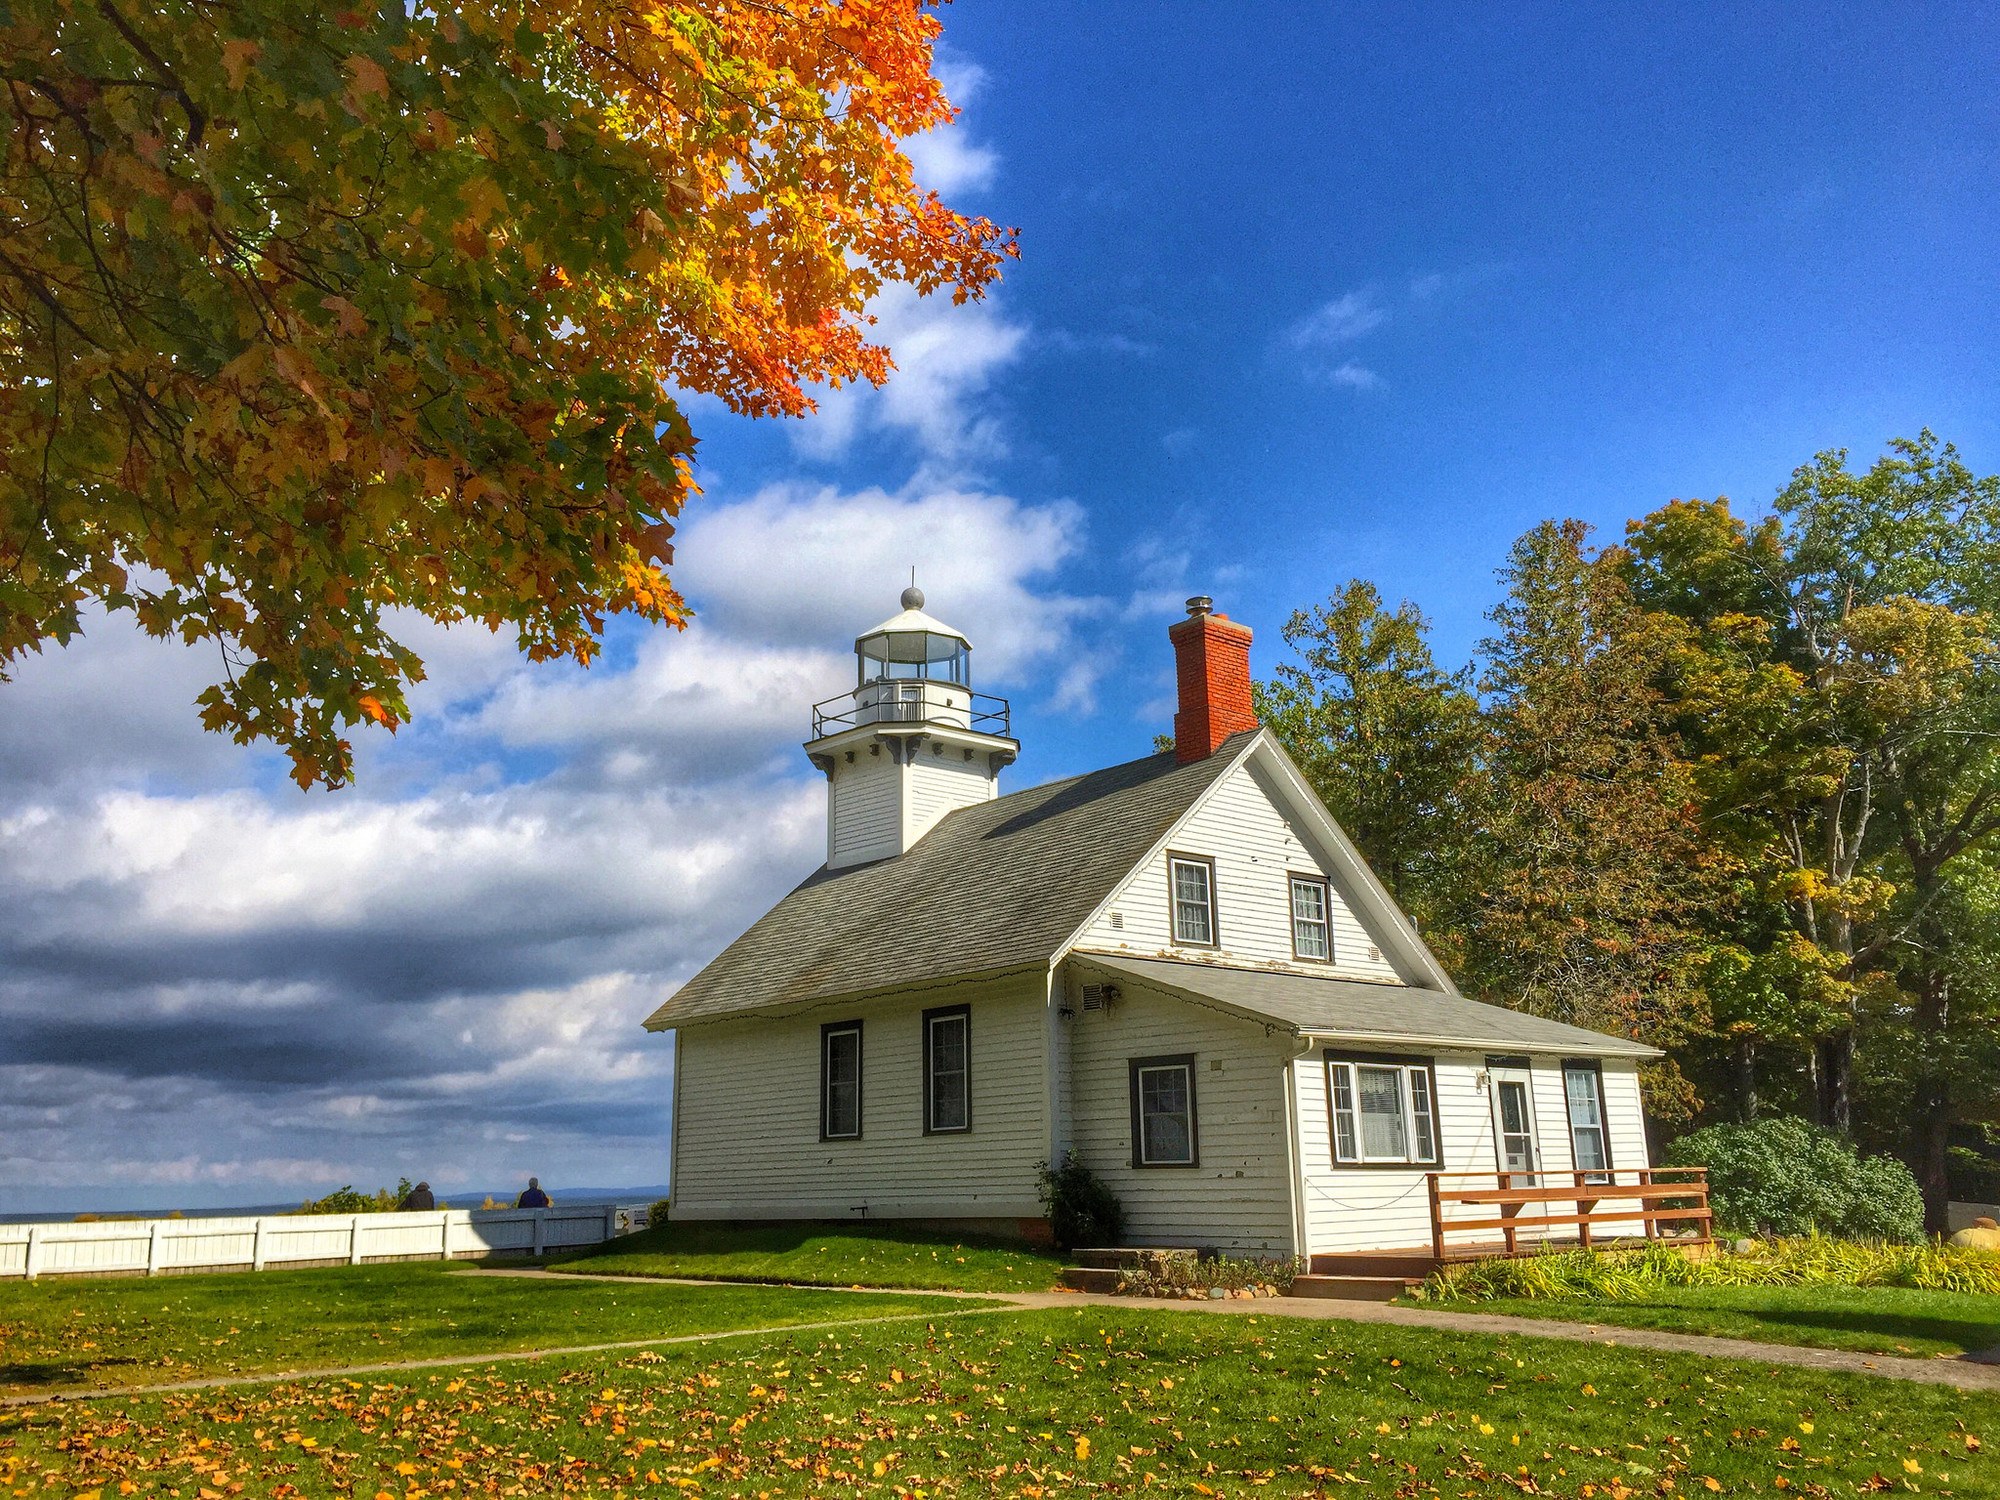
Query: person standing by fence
{"x": 533, "y": 1196}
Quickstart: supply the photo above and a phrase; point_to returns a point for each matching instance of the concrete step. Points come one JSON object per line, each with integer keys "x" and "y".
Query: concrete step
{"x": 1355, "y": 1288}
{"x": 1112, "y": 1258}
{"x": 1089, "y": 1278}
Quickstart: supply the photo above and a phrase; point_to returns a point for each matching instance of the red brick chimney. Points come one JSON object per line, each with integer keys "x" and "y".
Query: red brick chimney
{"x": 1212, "y": 661}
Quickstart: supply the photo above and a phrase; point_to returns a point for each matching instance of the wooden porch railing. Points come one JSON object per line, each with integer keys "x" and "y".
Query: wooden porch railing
{"x": 1523, "y": 1203}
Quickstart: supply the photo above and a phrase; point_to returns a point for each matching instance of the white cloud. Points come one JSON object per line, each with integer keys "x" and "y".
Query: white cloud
{"x": 945, "y": 159}
{"x": 947, "y": 163}
{"x": 1354, "y": 376}
{"x": 1342, "y": 320}
{"x": 799, "y": 564}
{"x": 946, "y": 357}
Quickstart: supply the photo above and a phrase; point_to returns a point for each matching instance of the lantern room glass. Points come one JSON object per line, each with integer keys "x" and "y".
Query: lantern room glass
{"x": 914, "y": 655}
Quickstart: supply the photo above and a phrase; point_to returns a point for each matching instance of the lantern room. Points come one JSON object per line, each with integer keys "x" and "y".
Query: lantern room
{"x": 911, "y": 742}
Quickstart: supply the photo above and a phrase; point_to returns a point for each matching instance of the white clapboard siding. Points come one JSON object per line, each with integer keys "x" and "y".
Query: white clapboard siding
{"x": 1385, "y": 1208}
{"x": 863, "y": 809}
{"x": 942, "y": 780}
{"x": 1256, "y": 850}
{"x": 1239, "y": 1197}
{"x": 749, "y": 1142}
{"x": 272, "y": 1241}
{"x": 1381, "y": 1208}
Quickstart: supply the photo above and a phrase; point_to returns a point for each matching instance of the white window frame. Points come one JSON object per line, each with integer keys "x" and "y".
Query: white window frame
{"x": 1416, "y": 1090}
{"x": 1175, "y": 864}
{"x": 1591, "y": 1067}
{"x": 1324, "y": 889}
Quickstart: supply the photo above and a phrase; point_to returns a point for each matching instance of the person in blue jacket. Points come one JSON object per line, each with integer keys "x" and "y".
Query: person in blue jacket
{"x": 534, "y": 1197}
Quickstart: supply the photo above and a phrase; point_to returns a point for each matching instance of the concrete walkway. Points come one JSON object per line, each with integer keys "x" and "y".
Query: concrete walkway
{"x": 1971, "y": 1372}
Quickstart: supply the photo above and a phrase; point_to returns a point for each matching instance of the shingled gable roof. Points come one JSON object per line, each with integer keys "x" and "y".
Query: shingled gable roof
{"x": 999, "y": 886}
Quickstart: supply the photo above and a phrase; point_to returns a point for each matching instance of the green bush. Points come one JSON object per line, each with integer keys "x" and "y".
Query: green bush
{"x": 1634, "y": 1276}
{"x": 348, "y": 1201}
{"x": 1782, "y": 1176}
{"x": 1081, "y": 1207}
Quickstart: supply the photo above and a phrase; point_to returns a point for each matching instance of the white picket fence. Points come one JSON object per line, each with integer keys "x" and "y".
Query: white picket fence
{"x": 156, "y": 1247}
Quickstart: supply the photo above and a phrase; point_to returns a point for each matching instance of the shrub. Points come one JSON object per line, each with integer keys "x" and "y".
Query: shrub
{"x": 1782, "y": 1176}
{"x": 347, "y": 1201}
{"x": 1081, "y": 1207}
{"x": 659, "y": 1213}
{"x": 1634, "y": 1276}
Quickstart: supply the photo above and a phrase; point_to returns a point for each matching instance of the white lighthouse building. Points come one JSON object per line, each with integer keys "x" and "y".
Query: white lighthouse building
{"x": 1177, "y": 969}
{"x": 910, "y": 743}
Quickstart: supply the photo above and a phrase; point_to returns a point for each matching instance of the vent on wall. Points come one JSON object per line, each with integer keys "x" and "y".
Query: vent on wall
{"x": 1118, "y": 921}
{"x": 1099, "y": 996}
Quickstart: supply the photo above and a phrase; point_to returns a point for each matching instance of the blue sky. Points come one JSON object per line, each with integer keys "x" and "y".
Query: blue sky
{"x": 1306, "y": 292}
{"x": 1588, "y": 264}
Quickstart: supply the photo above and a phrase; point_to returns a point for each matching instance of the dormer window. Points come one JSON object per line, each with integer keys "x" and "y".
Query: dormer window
{"x": 1191, "y": 879}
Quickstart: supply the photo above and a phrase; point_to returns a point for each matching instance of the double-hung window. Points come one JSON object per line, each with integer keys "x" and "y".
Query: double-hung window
{"x": 1312, "y": 920}
{"x": 1590, "y": 1142}
{"x": 1192, "y": 882}
{"x": 1384, "y": 1110}
{"x": 840, "y": 1081}
{"x": 947, "y": 1070}
{"x": 1163, "y": 1115}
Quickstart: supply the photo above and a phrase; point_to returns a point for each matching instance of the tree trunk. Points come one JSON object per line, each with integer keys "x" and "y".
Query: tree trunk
{"x": 1745, "y": 1064}
{"x": 1934, "y": 1100}
{"x": 1833, "y": 1070}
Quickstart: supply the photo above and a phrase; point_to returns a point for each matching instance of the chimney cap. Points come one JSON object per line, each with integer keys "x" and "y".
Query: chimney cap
{"x": 1200, "y": 604}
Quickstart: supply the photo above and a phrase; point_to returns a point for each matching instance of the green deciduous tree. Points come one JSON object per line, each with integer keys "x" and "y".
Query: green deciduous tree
{"x": 1598, "y": 879}
{"x": 1388, "y": 739}
{"x": 1834, "y": 672}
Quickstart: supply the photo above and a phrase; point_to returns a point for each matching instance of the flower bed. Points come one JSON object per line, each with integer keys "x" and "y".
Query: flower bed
{"x": 1192, "y": 1278}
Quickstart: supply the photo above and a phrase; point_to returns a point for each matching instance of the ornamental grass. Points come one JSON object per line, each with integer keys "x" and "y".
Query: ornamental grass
{"x": 1635, "y": 1275}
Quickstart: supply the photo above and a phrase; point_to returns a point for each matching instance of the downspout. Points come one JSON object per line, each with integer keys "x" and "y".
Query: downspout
{"x": 1301, "y": 1245}
{"x": 1056, "y": 1096}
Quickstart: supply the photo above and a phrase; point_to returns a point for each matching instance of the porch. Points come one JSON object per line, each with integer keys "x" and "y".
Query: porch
{"x": 1489, "y": 1215}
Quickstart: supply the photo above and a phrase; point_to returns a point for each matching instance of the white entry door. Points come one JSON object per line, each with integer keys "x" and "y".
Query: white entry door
{"x": 1514, "y": 1122}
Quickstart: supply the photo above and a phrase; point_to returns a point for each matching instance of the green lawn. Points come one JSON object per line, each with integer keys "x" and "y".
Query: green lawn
{"x": 1877, "y": 1320}
{"x": 1106, "y": 1400}
{"x": 823, "y": 1255}
{"x": 113, "y": 1332}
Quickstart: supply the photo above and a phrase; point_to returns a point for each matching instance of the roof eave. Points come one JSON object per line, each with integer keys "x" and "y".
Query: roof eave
{"x": 1597, "y": 1046}
{"x": 800, "y": 1005}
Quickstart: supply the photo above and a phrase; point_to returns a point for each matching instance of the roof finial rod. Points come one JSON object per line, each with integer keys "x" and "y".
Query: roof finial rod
{"x": 913, "y": 597}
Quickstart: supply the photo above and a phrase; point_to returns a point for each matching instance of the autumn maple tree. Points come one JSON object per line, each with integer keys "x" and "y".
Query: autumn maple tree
{"x": 313, "y": 316}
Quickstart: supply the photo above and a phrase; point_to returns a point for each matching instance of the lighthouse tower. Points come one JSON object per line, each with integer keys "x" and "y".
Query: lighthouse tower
{"x": 911, "y": 743}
